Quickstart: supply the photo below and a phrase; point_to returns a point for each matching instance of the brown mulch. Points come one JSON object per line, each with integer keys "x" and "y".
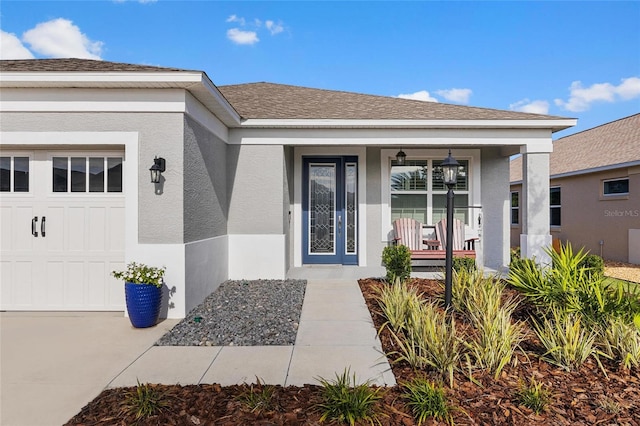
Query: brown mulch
{"x": 583, "y": 397}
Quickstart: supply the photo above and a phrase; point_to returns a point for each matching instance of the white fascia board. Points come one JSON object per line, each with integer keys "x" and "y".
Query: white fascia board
{"x": 596, "y": 169}
{"x": 555, "y": 125}
{"x": 92, "y": 79}
{"x": 69, "y": 138}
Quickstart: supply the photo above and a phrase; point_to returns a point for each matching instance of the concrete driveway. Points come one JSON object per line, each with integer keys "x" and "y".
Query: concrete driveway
{"x": 53, "y": 364}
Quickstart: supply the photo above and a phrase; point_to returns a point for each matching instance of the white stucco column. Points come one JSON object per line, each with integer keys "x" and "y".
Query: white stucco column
{"x": 535, "y": 235}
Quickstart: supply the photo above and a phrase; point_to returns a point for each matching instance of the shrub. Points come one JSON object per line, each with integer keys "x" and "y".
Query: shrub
{"x": 567, "y": 342}
{"x": 344, "y": 401}
{"x": 144, "y": 401}
{"x": 396, "y": 302}
{"x": 533, "y": 396}
{"x": 593, "y": 263}
{"x": 427, "y": 400}
{"x": 621, "y": 341}
{"x": 257, "y": 398}
{"x": 514, "y": 254}
{"x": 463, "y": 263}
{"x": 430, "y": 340}
{"x": 397, "y": 260}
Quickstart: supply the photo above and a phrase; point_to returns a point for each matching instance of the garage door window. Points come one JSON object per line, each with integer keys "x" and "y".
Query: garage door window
{"x": 14, "y": 174}
{"x": 87, "y": 174}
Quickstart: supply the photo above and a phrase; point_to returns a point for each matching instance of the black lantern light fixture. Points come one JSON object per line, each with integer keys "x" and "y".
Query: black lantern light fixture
{"x": 401, "y": 157}
{"x": 450, "y": 177}
{"x": 159, "y": 166}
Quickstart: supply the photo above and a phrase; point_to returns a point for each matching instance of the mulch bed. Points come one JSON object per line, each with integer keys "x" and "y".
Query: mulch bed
{"x": 583, "y": 397}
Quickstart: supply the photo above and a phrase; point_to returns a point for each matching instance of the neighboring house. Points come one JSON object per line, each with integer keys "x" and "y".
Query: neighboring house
{"x": 261, "y": 179}
{"x": 594, "y": 191}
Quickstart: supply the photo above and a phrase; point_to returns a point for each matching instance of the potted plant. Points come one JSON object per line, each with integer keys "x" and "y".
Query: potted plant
{"x": 143, "y": 293}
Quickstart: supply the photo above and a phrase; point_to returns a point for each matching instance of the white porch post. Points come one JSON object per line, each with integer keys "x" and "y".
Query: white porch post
{"x": 535, "y": 235}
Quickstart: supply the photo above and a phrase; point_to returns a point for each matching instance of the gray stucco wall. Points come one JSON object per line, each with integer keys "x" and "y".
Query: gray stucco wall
{"x": 255, "y": 189}
{"x": 287, "y": 204}
{"x": 205, "y": 183}
{"x": 495, "y": 208}
{"x": 160, "y": 134}
{"x": 375, "y": 243}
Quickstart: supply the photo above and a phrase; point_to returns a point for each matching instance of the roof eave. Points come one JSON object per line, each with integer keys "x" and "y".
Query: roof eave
{"x": 552, "y": 124}
{"x": 195, "y": 82}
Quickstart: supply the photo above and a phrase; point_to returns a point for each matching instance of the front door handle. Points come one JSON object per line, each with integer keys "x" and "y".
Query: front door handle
{"x": 34, "y": 223}
{"x": 339, "y": 224}
{"x": 42, "y": 225}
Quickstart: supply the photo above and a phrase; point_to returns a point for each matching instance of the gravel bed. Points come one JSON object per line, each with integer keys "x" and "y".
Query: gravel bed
{"x": 243, "y": 313}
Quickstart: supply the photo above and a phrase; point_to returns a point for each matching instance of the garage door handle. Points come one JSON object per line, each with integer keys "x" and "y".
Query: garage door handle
{"x": 42, "y": 225}
{"x": 34, "y": 221}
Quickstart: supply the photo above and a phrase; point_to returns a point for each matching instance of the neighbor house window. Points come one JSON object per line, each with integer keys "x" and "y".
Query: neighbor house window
{"x": 87, "y": 174}
{"x": 554, "y": 203}
{"x": 616, "y": 187}
{"x": 14, "y": 174}
{"x": 418, "y": 191}
{"x": 515, "y": 208}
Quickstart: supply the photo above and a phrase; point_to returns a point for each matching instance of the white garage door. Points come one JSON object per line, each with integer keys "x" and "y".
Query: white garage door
{"x": 61, "y": 230}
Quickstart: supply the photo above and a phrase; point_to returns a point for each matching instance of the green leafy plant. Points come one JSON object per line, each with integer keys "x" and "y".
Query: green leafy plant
{"x": 144, "y": 401}
{"x": 396, "y": 301}
{"x": 397, "y": 260}
{"x": 427, "y": 400}
{"x": 139, "y": 273}
{"x": 532, "y": 395}
{"x": 567, "y": 342}
{"x": 621, "y": 341}
{"x": 593, "y": 263}
{"x": 430, "y": 340}
{"x": 344, "y": 400}
{"x": 257, "y": 397}
{"x": 463, "y": 263}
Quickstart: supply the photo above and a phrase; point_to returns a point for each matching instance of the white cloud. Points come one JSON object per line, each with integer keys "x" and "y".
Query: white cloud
{"x": 527, "y": 105}
{"x": 238, "y": 36}
{"x": 581, "y": 98}
{"x": 60, "y": 38}
{"x": 12, "y": 48}
{"x": 273, "y": 27}
{"x": 460, "y": 96}
{"x": 236, "y": 19}
{"x": 422, "y": 95}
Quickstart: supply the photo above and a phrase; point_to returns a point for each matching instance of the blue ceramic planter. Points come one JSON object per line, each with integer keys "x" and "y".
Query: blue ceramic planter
{"x": 143, "y": 304}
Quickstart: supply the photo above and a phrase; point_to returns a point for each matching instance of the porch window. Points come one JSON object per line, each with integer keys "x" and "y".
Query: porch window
{"x": 555, "y": 205}
{"x": 515, "y": 208}
{"x": 417, "y": 191}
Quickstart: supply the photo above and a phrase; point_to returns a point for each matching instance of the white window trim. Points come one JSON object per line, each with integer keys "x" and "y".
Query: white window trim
{"x": 617, "y": 194}
{"x": 386, "y": 155}
{"x": 514, "y": 208}
{"x": 559, "y": 206}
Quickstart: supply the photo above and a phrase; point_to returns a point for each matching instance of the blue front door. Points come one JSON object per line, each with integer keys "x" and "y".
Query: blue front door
{"x": 330, "y": 210}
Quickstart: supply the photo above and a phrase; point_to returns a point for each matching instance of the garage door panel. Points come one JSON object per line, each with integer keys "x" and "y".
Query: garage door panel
{"x": 16, "y": 228}
{"x": 6, "y": 284}
{"x": 96, "y": 287}
{"x": 54, "y": 237}
{"x": 55, "y": 283}
{"x": 75, "y": 284}
{"x": 22, "y": 281}
{"x": 75, "y": 232}
{"x": 98, "y": 226}
{"x": 116, "y": 221}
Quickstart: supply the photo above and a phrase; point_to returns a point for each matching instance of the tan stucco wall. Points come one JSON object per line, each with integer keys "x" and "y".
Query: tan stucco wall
{"x": 588, "y": 217}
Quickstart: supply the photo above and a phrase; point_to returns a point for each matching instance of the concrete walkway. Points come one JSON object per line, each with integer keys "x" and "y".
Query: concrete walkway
{"x": 53, "y": 364}
{"x": 336, "y": 332}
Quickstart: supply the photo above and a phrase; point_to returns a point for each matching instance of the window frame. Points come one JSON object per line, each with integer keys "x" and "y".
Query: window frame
{"x": 473, "y": 182}
{"x": 615, "y": 194}
{"x": 555, "y": 206}
{"x": 515, "y": 208}
{"x": 12, "y": 156}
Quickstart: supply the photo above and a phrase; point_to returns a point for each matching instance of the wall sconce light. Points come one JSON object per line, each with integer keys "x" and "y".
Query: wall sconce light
{"x": 400, "y": 157}
{"x": 159, "y": 166}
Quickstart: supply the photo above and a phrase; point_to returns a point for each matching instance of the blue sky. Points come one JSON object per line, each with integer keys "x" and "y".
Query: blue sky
{"x": 572, "y": 59}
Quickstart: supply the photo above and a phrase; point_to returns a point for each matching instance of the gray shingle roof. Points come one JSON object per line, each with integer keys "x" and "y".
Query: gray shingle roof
{"x": 75, "y": 65}
{"x": 612, "y": 143}
{"x": 279, "y": 101}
